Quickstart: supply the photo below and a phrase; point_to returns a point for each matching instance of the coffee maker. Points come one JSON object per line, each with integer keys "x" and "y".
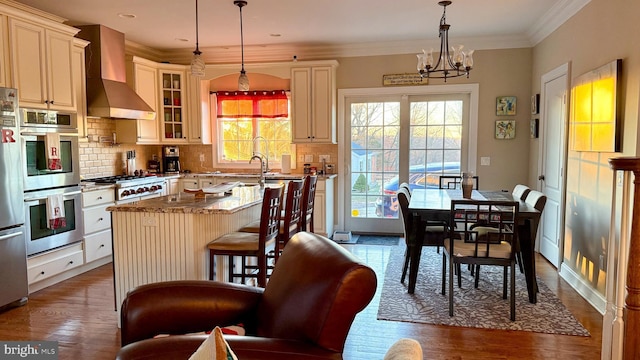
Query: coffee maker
{"x": 170, "y": 160}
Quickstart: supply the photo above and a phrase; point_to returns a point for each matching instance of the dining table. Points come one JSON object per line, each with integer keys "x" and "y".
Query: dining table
{"x": 435, "y": 205}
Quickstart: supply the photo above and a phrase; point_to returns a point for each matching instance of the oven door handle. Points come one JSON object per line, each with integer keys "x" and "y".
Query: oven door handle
{"x": 9, "y": 236}
{"x": 45, "y": 198}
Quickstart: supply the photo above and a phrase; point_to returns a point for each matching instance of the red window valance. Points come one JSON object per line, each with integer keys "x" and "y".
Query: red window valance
{"x": 253, "y": 104}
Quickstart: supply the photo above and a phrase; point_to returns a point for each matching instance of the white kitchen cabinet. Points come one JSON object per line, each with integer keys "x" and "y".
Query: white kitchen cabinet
{"x": 323, "y": 207}
{"x": 190, "y": 183}
{"x": 172, "y": 186}
{"x": 42, "y": 66}
{"x": 4, "y": 53}
{"x": 313, "y": 93}
{"x": 173, "y": 104}
{"x": 198, "y": 121}
{"x": 206, "y": 182}
{"x": 80, "y": 86}
{"x": 97, "y": 223}
{"x": 142, "y": 76}
{"x": 51, "y": 263}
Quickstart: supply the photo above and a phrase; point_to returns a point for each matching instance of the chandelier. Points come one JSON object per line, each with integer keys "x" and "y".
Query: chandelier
{"x": 243, "y": 80}
{"x": 448, "y": 65}
{"x": 197, "y": 64}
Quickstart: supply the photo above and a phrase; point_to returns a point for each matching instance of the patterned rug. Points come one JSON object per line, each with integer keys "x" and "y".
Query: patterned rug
{"x": 478, "y": 308}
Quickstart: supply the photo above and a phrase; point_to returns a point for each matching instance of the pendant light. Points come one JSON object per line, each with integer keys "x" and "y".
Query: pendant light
{"x": 243, "y": 80}
{"x": 197, "y": 64}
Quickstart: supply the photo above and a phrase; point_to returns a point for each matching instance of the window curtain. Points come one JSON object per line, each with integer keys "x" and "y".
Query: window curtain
{"x": 253, "y": 104}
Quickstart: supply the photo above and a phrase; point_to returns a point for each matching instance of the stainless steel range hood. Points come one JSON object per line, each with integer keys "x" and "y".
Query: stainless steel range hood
{"x": 108, "y": 94}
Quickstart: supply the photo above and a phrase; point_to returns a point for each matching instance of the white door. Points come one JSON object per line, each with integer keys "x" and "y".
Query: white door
{"x": 553, "y": 160}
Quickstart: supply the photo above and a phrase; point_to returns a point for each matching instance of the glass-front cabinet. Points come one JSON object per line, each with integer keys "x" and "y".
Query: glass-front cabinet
{"x": 173, "y": 114}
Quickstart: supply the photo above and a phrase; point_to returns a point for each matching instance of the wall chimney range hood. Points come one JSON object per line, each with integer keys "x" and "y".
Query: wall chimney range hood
{"x": 108, "y": 94}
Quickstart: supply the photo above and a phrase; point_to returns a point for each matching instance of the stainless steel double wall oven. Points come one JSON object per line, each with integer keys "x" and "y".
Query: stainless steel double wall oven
{"x": 40, "y": 181}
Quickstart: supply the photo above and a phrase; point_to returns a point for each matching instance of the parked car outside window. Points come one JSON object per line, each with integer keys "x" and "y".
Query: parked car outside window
{"x": 420, "y": 177}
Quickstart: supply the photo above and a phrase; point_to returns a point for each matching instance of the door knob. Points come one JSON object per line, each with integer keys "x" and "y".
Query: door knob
{"x": 541, "y": 177}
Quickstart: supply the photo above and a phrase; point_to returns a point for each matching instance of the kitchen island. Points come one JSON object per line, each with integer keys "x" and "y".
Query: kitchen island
{"x": 165, "y": 238}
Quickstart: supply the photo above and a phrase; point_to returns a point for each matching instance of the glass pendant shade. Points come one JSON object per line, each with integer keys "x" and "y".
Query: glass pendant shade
{"x": 197, "y": 65}
{"x": 243, "y": 81}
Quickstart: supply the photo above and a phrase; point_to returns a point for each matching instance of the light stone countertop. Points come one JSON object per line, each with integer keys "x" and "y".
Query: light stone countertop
{"x": 185, "y": 203}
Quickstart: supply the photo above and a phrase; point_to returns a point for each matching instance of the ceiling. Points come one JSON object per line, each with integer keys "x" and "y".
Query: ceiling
{"x": 283, "y": 28}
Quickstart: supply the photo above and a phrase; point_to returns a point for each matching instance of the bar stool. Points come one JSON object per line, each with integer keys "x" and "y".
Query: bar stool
{"x": 245, "y": 244}
{"x": 291, "y": 214}
{"x": 310, "y": 183}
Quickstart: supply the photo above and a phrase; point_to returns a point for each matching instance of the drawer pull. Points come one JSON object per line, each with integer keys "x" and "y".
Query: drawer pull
{"x": 41, "y": 272}
{"x": 99, "y": 197}
{"x": 70, "y": 262}
{"x": 100, "y": 219}
{"x": 101, "y": 245}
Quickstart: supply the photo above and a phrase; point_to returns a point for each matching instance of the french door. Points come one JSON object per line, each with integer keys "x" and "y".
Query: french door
{"x": 393, "y": 138}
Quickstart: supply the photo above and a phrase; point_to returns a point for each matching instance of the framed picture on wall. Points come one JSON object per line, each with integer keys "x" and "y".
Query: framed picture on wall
{"x": 535, "y": 104}
{"x": 534, "y": 128}
{"x": 505, "y": 129}
{"x": 506, "y": 105}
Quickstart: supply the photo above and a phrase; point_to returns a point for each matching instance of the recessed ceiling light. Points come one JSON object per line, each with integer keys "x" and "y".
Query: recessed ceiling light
{"x": 181, "y": 39}
{"x": 275, "y": 35}
{"x": 127, "y": 16}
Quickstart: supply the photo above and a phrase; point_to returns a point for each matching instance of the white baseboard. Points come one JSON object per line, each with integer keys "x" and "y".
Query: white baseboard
{"x": 583, "y": 288}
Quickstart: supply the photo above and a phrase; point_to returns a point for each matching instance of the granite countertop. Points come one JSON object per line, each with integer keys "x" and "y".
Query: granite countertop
{"x": 185, "y": 203}
{"x": 90, "y": 186}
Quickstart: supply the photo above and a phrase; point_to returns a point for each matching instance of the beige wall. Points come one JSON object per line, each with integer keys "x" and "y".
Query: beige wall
{"x": 602, "y": 31}
{"x": 499, "y": 73}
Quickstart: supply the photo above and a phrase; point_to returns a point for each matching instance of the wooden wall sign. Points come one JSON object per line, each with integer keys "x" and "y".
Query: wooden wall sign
{"x": 403, "y": 79}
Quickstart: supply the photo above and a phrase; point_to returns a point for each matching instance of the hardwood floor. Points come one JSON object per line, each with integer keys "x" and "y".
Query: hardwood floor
{"x": 79, "y": 313}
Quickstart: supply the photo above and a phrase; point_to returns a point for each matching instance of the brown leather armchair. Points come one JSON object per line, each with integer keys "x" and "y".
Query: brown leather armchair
{"x": 304, "y": 312}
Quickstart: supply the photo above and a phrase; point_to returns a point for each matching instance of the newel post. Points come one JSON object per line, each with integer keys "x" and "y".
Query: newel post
{"x": 632, "y": 300}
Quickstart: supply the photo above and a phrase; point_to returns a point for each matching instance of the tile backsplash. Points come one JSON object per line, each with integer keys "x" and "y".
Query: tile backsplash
{"x": 99, "y": 157}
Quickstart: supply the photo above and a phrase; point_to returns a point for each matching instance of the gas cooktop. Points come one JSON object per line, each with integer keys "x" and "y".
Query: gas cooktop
{"x": 121, "y": 179}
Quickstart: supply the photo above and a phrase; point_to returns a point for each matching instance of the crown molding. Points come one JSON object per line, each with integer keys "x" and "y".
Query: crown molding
{"x": 285, "y": 52}
{"x": 557, "y": 15}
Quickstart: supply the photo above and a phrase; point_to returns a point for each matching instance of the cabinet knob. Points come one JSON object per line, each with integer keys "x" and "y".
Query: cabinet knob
{"x": 99, "y": 197}
{"x": 100, "y": 219}
{"x": 70, "y": 262}
{"x": 41, "y": 272}
{"x": 101, "y": 245}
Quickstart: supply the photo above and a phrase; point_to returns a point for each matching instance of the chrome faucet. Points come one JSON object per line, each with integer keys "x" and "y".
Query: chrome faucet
{"x": 264, "y": 157}
{"x": 261, "y": 167}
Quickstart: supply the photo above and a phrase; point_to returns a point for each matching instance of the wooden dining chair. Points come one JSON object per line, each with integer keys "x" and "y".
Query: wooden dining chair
{"x": 481, "y": 245}
{"x": 291, "y": 217}
{"x": 248, "y": 245}
{"x": 427, "y": 233}
{"x": 308, "y": 200}
{"x": 454, "y": 182}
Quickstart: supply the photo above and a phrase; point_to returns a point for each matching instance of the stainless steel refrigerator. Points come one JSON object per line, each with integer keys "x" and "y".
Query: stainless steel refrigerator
{"x": 13, "y": 249}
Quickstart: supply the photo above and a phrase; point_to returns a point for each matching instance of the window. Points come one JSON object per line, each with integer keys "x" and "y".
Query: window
{"x": 245, "y": 116}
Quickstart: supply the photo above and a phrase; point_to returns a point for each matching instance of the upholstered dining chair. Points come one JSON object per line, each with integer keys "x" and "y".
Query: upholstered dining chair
{"x": 520, "y": 191}
{"x": 454, "y": 181}
{"x": 425, "y": 232}
{"x": 493, "y": 244}
{"x": 247, "y": 245}
{"x": 308, "y": 201}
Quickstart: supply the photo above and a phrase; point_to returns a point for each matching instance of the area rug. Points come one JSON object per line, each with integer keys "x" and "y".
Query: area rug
{"x": 483, "y": 307}
{"x": 377, "y": 240}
